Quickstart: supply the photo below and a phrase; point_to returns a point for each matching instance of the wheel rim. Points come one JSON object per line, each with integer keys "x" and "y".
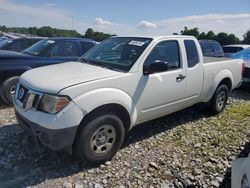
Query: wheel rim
{"x": 221, "y": 99}
{"x": 103, "y": 139}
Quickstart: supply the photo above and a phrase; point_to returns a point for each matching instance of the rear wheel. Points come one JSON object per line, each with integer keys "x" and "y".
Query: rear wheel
{"x": 100, "y": 139}
{"x": 8, "y": 88}
{"x": 219, "y": 99}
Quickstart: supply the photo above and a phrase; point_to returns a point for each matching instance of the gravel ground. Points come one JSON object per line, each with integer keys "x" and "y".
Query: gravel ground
{"x": 186, "y": 149}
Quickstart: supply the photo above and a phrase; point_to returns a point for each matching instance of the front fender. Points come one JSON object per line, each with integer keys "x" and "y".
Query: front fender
{"x": 99, "y": 97}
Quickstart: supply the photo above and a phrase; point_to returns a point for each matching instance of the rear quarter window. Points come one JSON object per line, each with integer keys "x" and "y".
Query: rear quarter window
{"x": 86, "y": 46}
{"x": 192, "y": 53}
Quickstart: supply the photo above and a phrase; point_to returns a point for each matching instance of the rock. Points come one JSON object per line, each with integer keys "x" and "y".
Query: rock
{"x": 98, "y": 186}
{"x": 102, "y": 166}
{"x": 220, "y": 179}
{"x": 197, "y": 145}
{"x": 196, "y": 172}
{"x": 213, "y": 160}
{"x": 207, "y": 164}
{"x": 104, "y": 181}
{"x": 154, "y": 165}
{"x": 108, "y": 163}
{"x": 67, "y": 184}
{"x": 215, "y": 184}
{"x": 78, "y": 185}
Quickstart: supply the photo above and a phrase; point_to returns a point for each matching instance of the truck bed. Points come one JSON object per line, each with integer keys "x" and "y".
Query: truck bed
{"x": 207, "y": 59}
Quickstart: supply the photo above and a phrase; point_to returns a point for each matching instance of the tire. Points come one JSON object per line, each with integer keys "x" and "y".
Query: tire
{"x": 8, "y": 89}
{"x": 100, "y": 139}
{"x": 219, "y": 99}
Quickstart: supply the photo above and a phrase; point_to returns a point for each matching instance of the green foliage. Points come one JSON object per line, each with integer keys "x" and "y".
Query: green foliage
{"x": 97, "y": 36}
{"x": 45, "y": 31}
{"x": 222, "y": 38}
{"x": 193, "y": 32}
{"x": 246, "y": 37}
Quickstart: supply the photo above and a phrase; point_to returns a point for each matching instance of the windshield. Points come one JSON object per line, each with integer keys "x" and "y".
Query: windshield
{"x": 119, "y": 53}
{"x": 3, "y": 42}
{"x": 37, "y": 48}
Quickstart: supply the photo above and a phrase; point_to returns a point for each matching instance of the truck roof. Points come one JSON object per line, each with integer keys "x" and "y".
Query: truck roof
{"x": 159, "y": 36}
{"x": 70, "y": 38}
{"x": 238, "y": 45}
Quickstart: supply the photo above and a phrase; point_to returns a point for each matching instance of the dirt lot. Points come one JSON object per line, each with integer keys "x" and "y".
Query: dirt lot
{"x": 186, "y": 148}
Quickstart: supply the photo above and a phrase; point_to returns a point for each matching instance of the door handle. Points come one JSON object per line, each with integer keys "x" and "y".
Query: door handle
{"x": 180, "y": 77}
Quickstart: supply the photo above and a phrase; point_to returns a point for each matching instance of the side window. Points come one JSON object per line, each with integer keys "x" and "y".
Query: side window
{"x": 64, "y": 49}
{"x": 167, "y": 51}
{"x": 23, "y": 44}
{"x": 86, "y": 46}
{"x": 216, "y": 47}
{"x": 11, "y": 45}
{"x": 192, "y": 53}
{"x": 206, "y": 50}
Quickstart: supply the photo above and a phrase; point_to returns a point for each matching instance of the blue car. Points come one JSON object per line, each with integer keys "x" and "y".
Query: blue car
{"x": 43, "y": 53}
{"x": 245, "y": 55}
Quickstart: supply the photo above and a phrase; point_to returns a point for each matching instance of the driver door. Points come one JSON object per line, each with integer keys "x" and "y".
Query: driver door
{"x": 163, "y": 91}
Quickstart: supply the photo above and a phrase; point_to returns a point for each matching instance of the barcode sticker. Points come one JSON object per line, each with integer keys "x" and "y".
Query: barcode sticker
{"x": 136, "y": 43}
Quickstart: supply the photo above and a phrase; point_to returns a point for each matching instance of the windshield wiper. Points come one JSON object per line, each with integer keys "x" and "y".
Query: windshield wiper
{"x": 25, "y": 52}
{"x": 100, "y": 64}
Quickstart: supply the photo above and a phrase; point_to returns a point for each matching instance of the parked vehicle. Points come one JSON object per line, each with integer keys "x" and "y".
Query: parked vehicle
{"x": 234, "y": 48}
{"x": 241, "y": 172}
{"x": 211, "y": 48}
{"x": 245, "y": 55}
{"x": 44, "y": 52}
{"x": 18, "y": 44}
{"x": 3, "y": 41}
{"x": 86, "y": 107}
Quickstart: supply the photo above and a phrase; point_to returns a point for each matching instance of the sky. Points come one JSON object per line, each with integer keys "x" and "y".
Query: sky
{"x": 130, "y": 17}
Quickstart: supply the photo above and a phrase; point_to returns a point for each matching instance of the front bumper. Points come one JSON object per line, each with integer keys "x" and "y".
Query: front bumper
{"x": 54, "y": 139}
{"x": 54, "y": 131}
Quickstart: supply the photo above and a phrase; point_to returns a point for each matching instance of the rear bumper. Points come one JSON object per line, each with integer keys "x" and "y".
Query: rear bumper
{"x": 57, "y": 139}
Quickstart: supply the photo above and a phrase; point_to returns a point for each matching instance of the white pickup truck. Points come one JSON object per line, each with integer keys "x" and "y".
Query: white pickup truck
{"x": 86, "y": 107}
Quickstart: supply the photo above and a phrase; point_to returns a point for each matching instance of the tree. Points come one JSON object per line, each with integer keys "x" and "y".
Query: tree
{"x": 246, "y": 38}
{"x": 193, "y": 32}
{"x": 202, "y": 36}
{"x": 210, "y": 35}
{"x": 95, "y": 35}
{"x": 232, "y": 39}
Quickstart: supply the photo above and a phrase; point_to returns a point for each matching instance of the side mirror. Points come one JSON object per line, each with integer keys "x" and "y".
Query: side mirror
{"x": 155, "y": 67}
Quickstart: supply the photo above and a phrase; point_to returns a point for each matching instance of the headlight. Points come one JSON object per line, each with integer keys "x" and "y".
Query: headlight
{"x": 53, "y": 104}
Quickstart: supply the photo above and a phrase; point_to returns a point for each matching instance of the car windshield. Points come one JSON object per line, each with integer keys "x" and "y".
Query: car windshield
{"x": 118, "y": 53}
{"x": 3, "y": 42}
{"x": 39, "y": 47}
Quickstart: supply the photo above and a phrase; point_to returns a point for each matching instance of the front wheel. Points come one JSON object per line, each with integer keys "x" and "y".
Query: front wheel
{"x": 100, "y": 139}
{"x": 219, "y": 99}
{"x": 8, "y": 89}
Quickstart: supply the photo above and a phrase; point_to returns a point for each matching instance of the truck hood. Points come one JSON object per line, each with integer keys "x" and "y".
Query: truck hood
{"x": 52, "y": 79}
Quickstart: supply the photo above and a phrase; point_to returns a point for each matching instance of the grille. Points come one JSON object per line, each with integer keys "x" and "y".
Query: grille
{"x": 27, "y": 98}
{"x": 246, "y": 73}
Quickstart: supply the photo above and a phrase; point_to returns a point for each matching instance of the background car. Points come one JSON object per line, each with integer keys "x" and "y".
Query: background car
{"x": 234, "y": 48}
{"x": 18, "y": 44}
{"x": 211, "y": 48}
{"x": 245, "y": 55}
{"x": 45, "y": 52}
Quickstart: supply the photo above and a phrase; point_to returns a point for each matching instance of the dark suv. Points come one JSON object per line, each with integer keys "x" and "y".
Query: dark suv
{"x": 45, "y": 52}
{"x": 211, "y": 48}
{"x": 18, "y": 44}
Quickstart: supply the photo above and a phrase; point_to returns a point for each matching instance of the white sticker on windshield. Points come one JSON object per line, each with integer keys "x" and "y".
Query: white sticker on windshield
{"x": 50, "y": 41}
{"x": 136, "y": 43}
